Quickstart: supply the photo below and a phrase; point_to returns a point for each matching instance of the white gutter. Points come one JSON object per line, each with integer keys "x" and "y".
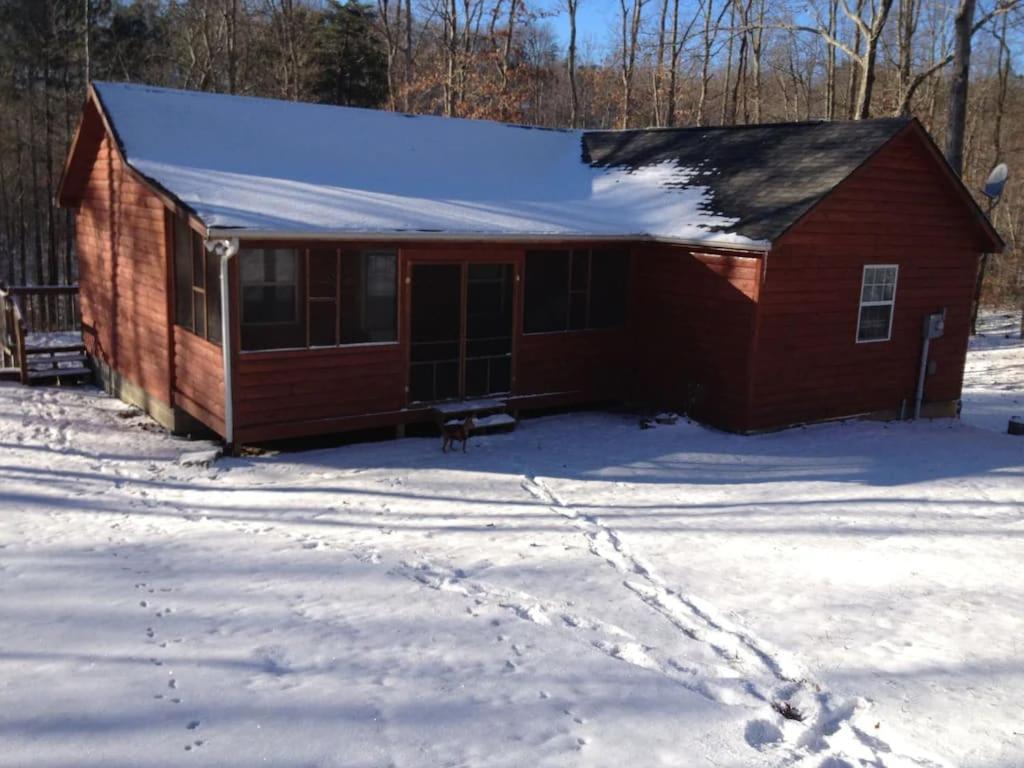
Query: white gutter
{"x": 462, "y": 237}
{"x": 226, "y": 250}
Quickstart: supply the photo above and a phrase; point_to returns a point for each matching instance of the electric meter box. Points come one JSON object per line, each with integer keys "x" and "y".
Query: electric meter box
{"x": 935, "y": 325}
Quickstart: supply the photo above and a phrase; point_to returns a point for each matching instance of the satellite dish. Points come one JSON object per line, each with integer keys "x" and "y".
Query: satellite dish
{"x": 996, "y": 181}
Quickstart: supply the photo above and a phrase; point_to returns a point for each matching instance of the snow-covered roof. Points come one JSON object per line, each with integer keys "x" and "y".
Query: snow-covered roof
{"x": 267, "y": 167}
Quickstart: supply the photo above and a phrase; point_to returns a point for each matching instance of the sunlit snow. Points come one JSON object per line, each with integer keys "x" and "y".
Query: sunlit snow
{"x": 270, "y": 166}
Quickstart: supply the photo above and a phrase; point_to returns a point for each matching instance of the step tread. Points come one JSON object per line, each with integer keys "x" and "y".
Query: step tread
{"x": 56, "y": 373}
{"x": 66, "y": 358}
{"x": 467, "y": 407}
{"x": 497, "y": 420}
{"x": 486, "y": 422}
{"x": 37, "y": 350}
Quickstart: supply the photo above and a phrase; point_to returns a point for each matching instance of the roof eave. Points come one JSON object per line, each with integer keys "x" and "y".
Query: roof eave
{"x": 341, "y": 236}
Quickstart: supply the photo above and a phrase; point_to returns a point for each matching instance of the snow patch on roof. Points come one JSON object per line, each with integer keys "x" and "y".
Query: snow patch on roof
{"x": 261, "y": 165}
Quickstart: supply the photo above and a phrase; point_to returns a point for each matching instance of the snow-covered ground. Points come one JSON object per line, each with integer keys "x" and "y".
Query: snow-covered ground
{"x": 994, "y": 377}
{"x": 577, "y": 593}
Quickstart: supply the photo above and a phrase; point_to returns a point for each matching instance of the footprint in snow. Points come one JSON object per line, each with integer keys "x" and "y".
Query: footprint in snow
{"x": 761, "y": 734}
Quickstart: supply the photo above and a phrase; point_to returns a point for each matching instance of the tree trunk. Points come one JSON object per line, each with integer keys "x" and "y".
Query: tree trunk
{"x": 830, "y": 63}
{"x": 574, "y": 98}
{"x": 728, "y": 63}
{"x": 907, "y": 29}
{"x": 851, "y": 85}
{"x": 670, "y": 112}
{"x": 705, "y": 62}
{"x": 232, "y": 45}
{"x": 957, "y": 116}
{"x": 407, "y": 75}
{"x": 87, "y": 32}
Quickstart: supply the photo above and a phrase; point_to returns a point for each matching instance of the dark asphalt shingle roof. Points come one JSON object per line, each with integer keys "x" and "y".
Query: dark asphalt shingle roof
{"x": 765, "y": 176}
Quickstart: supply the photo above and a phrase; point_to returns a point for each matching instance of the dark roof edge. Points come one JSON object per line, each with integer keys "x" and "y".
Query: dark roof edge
{"x": 742, "y": 127}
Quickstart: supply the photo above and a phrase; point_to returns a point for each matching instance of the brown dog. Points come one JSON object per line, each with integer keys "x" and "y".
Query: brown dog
{"x": 456, "y": 433}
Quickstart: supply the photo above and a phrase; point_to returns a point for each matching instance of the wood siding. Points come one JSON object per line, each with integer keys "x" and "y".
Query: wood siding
{"x": 756, "y": 341}
{"x": 897, "y": 209}
{"x": 122, "y": 255}
{"x": 287, "y": 394}
{"x": 199, "y": 378}
{"x": 280, "y": 394}
{"x": 693, "y": 329}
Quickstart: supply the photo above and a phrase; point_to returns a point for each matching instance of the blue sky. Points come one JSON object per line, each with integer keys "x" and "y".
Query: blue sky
{"x": 597, "y": 22}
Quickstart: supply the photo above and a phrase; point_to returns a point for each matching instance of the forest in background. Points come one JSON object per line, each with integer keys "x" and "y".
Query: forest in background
{"x": 951, "y": 63}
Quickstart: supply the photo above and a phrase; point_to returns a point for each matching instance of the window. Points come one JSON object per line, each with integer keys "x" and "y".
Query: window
{"x": 369, "y": 297}
{"x": 877, "y": 297}
{"x": 318, "y": 298}
{"x": 196, "y": 283}
{"x": 575, "y": 290}
{"x": 546, "y": 301}
{"x": 323, "y": 298}
{"x": 270, "y": 299}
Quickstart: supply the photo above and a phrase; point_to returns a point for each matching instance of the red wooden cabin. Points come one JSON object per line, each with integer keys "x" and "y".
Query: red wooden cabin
{"x": 378, "y": 263}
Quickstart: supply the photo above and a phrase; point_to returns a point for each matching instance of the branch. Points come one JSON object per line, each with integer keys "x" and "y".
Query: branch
{"x": 920, "y": 77}
{"x": 824, "y": 34}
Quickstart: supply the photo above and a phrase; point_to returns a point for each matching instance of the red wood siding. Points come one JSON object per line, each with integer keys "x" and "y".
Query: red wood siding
{"x": 199, "y": 378}
{"x": 693, "y": 325}
{"x": 285, "y": 394}
{"x": 897, "y": 209}
{"x": 573, "y": 368}
{"x": 122, "y": 256}
{"x": 295, "y": 392}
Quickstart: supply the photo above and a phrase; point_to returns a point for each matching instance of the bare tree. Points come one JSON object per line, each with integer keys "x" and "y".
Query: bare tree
{"x": 632, "y": 18}
{"x": 572, "y": 7}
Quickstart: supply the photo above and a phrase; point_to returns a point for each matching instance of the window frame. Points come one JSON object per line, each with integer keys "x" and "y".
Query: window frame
{"x": 573, "y": 254}
{"x": 195, "y": 291}
{"x": 890, "y": 303}
{"x": 304, "y": 300}
{"x": 365, "y": 285}
{"x": 242, "y": 285}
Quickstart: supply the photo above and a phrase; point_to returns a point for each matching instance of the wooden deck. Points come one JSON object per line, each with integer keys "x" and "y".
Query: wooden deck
{"x": 25, "y": 310}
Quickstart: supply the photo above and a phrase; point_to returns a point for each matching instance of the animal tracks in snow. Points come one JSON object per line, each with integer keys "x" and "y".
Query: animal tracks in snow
{"x": 172, "y": 693}
{"x": 764, "y": 674}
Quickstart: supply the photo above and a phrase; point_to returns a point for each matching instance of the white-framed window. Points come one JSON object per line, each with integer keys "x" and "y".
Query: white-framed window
{"x": 877, "y": 299}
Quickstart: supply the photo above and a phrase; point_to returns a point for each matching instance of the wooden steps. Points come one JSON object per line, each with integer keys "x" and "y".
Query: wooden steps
{"x": 62, "y": 364}
{"x": 489, "y": 414}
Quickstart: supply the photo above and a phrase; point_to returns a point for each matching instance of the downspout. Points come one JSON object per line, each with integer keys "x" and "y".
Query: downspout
{"x": 226, "y": 250}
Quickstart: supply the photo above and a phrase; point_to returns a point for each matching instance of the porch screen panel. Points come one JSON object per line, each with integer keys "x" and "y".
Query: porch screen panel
{"x": 546, "y": 300}
{"x": 488, "y": 329}
{"x": 435, "y": 323}
{"x": 183, "y": 273}
{"x": 575, "y": 291}
{"x": 213, "y": 316}
{"x": 369, "y": 297}
{"x": 323, "y": 298}
{"x": 270, "y": 283}
{"x": 609, "y": 279}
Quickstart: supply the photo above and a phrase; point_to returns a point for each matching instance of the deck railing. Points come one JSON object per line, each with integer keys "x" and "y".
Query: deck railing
{"x": 48, "y": 308}
{"x": 30, "y": 309}
{"x": 12, "y": 337}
